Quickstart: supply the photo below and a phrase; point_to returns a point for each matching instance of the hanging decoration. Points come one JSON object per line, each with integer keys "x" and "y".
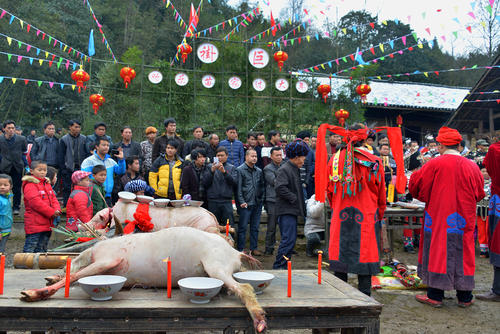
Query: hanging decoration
{"x": 127, "y": 74}
{"x": 301, "y": 86}
{"x": 324, "y": 90}
{"x": 281, "y": 84}
{"x": 39, "y": 83}
{"x": 399, "y": 120}
{"x": 80, "y": 76}
{"x": 181, "y": 79}
{"x": 208, "y": 81}
{"x": 341, "y": 115}
{"x": 259, "y": 58}
{"x": 207, "y": 53}
{"x": 280, "y": 57}
{"x": 40, "y": 60}
{"x": 97, "y": 101}
{"x": 228, "y": 21}
{"x": 436, "y": 72}
{"x": 184, "y": 49}
{"x": 363, "y": 90}
{"x": 259, "y": 84}
{"x": 234, "y": 82}
{"x": 104, "y": 40}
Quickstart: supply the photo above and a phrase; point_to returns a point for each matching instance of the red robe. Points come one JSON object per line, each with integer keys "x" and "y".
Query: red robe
{"x": 355, "y": 222}
{"x": 492, "y": 163}
{"x": 450, "y": 185}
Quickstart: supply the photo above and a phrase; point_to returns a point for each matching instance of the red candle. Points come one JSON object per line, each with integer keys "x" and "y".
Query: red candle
{"x": 320, "y": 257}
{"x": 2, "y": 272}
{"x": 289, "y": 266}
{"x": 68, "y": 274}
{"x": 169, "y": 278}
{"x": 227, "y": 228}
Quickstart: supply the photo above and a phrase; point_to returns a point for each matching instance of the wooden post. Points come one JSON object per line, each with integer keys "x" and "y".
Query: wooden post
{"x": 492, "y": 121}
{"x": 480, "y": 128}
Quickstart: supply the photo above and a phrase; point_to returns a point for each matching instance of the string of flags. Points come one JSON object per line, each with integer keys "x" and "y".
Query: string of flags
{"x": 278, "y": 26}
{"x": 245, "y": 22}
{"x": 230, "y": 21}
{"x": 436, "y": 72}
{"x": 39, "y": 83}
{"x": 176, "y": 13}
{"x": 40, "y": 33}
{"x": 193, "y": 21}
{"x": 481, "y": 101}
{"x": 40, "y": 61}
{"x": 104, "y": 40}
{"x": 30, "y": 47}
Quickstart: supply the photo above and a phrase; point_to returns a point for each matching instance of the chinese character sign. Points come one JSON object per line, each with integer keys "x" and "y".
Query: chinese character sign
{"x": 281, "y": 84}
{"x": 155, "y": 77}
{"x": 258, "y": 57}
{"x": 301, "y": 87}
{"x": 208, "y": 81}
{"x": 208, "y": 53}
{"x": 234, "y": 82}
{"x": 181, "y": 79}
{"x": 259, "y": 84}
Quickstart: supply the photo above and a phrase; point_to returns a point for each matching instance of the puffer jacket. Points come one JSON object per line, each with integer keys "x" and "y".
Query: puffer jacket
{"x": 159, "y": 176}
{"x": 5, "y": 213}
{"x": 79, "y": 207}
{"x": 315, "y": 219}
{"x": 40, "y": 204}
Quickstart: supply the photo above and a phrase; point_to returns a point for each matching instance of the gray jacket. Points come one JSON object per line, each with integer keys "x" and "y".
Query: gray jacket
{"x": 66, "y": 154}
{"x": 219, "y": 186}
{"x": 270, "y": 176}
{"x": 289, "y": 193}
{"x": 251, "y": 185}
{"x": 12, "y": 155}
{"x": 45, "y": 149}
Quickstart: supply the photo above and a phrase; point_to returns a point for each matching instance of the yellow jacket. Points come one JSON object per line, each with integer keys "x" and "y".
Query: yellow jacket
{"x": 159, "y": 177}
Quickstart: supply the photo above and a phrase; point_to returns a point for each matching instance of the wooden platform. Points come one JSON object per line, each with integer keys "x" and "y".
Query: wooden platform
{"x": 333, "y": 304}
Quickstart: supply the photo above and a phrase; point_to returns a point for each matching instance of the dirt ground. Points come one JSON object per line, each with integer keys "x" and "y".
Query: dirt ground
{"x": 401, "y": 312}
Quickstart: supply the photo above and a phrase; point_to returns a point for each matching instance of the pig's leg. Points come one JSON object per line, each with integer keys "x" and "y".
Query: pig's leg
{"x": 244, "y": 291}
{"x": 95, "y": 268}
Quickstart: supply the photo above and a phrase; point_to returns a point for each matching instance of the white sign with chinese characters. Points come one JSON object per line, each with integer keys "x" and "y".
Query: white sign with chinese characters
{"x": 259, "y": 84}
{"x": 208, "y": 53}
{"x": 301, "y": 86}
{"x": 234, "y": 82}
{"x": 281, "y": 84}
{"x": 155, "y": 77}
{"x": 181, "y": 79}
{"x": 208, "y": 81}
{"x": 258, "y": 57}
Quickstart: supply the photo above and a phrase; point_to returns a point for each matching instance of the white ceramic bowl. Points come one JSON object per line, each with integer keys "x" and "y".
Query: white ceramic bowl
{"x": 195, "y": 203}
{"x": 177, "y": 203}
{"x": 126, "y": 196}
{"x": 200, "y": 289}
{"x": 102, "y": 287}
{"x": 259, "y": 280}
{"x": 144, "y": 199}
{"x": 161, "y": 202}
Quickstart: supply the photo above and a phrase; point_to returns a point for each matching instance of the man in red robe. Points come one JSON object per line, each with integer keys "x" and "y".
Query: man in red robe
{"x": 450, "y": 185}
{"x": 492, "y": 163}
{"x": 356, "y": 192}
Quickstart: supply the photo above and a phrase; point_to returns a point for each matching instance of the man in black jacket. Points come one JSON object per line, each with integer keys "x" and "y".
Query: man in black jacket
{"x": 270, "y": 177}
{"x": 13, "y": 149}
{"x": 249, "y": 197}
{"x": 160, "y": 144}
{"x": 289, "y": 199}
{"x": 130, "y": 148}
{"x": 45, "y": 147}
{"x": 218, "y": 180}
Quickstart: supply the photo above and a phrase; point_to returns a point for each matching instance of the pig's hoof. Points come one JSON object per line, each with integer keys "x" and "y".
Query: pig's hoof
{"x": 53, "y": 279}
{"x": 35, "y": 295}
{"x": 261, "y": 326}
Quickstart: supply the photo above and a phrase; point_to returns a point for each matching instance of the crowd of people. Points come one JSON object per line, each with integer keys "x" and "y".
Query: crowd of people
{"x": 266, "y": 172}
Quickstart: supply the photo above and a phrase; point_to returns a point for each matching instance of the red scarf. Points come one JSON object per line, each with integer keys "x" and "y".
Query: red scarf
{"x": 142, "y": 220}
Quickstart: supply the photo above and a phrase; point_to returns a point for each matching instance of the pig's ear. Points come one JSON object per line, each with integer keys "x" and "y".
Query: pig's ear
{"x": 118, "y": 226}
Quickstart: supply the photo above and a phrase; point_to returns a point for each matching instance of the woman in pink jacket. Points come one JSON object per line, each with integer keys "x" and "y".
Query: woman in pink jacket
{"x": 41, "y": 207}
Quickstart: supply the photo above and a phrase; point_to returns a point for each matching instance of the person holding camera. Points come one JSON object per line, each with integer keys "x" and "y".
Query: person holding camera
{"x": 101, "y": 157}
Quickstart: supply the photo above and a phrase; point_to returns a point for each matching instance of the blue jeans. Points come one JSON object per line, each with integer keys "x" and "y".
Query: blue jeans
{"x": 36, "y": 242}
{"x": 250, "y": 215}
{"x": 288, "y": 230}
{"x": 3, "y": 242}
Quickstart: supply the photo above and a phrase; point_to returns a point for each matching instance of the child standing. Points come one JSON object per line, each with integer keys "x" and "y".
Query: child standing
{"x": 5, "y": 209}
{"x": 99, "y": 174}
{"x": 41, "y": 207}
{"x": 79, "y": 207}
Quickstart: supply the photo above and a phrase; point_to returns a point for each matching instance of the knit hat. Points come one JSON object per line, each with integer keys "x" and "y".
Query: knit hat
{"x": 135, "y": 186}
{"x": 79, "y": 175}
{"x": 297, "y": 148}
{"x": 482, "y": 142}
{"x": 151, "y": 129}
{"x": 448, "y": 136}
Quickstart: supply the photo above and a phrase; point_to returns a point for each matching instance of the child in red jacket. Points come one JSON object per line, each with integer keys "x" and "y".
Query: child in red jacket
{"x": 41, "y": 207}
{"x": 79, "y": 207}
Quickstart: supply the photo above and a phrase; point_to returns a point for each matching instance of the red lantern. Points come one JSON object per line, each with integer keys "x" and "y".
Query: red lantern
{"x": 341, "y": 116}
{"x": 127, "y": 75}
{"x": 399, "y": 120}
{"x": 80, "y": 76}
{"x": 184, "y": 50}
{"x": 97, "y": 100}
{"x": 324, "y": 90}
{"x": 363, "y": 90}
{"x": 280, "y": 57}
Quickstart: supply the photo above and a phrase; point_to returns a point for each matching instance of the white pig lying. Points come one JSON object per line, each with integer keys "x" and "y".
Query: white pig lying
{"x": 139, "y": 257}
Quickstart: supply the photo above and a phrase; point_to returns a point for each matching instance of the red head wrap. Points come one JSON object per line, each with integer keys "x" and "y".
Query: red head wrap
{"x": 448, "y": 136}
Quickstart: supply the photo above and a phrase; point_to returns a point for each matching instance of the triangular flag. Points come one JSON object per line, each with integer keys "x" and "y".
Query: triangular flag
{"x": 391, "y": 43}
{"x": 51, "y": 84}
{"x": 469, "y": 28}
{"x": 73, "y": 87}
{"x": 403, "y": 39}
{"x": 489, "y": 9}
{"x": 40, "y": 61}
{"x": 9, "y": 40}
{"x": 91, "y": 48}
{"x": 455, "y": 33}
{"x": 381, "y": 46}
{"x": 415, "y": 36}
{"x": 9, "y": 56}
{"x": 372, "y": 25}
{"x": 471, "y": 14}
{"x": 31, "y": 61}
{"x": 428, "y": 30}
{"x": 39, "y": 83}
{"x": 26, "y": 81}
{"x": 273, "y": 25}
{"x": 19, "y": 58}
{"x": 14, "y": 80}
{"x": 19, "y": 44}
{"x": 384, "y": 22}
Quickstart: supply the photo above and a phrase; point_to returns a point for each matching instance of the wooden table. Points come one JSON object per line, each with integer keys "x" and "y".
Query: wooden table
{"x": 333, "y": 304}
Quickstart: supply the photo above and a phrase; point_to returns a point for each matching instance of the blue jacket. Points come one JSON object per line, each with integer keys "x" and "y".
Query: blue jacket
{"x": 111, "y": 168}
{"x": 235, "y": 151}
{"x": 5, "y": 214}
